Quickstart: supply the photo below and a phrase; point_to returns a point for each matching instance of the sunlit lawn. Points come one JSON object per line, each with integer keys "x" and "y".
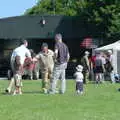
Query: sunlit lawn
{"x": 97, "y": 103}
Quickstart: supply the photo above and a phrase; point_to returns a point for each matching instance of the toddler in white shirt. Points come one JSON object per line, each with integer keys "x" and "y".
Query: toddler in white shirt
{"x": 79, "y": 79}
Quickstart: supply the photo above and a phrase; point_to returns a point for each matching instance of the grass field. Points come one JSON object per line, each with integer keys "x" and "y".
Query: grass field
{"x": 97, "y": 103}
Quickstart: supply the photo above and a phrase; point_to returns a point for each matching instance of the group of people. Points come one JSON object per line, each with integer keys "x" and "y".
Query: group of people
{"x": 52, "y": 66}
{"x": 97, "y": 66}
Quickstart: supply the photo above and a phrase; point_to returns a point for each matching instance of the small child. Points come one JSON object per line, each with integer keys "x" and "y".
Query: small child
{"x": 79, "y": 79}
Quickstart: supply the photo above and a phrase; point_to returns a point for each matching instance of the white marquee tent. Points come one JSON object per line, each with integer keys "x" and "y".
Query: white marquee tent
{"x": 115, "y": 47}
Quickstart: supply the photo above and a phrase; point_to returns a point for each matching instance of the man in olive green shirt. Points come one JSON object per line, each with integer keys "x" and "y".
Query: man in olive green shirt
{"x": 86, "y": 66}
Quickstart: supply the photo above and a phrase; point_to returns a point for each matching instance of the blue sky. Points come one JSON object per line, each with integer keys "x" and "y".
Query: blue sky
{"x": 9, "y": 8}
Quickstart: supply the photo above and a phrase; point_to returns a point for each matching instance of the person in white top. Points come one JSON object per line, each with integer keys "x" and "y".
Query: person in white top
{"x": 21, "y": 51}
{"x": 79, "y": 79}
{"x": 110, "y": 57}
{"x": 17, "y": 60}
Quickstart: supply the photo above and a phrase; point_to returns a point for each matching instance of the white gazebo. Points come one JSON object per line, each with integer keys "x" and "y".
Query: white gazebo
{"x": 115, "y": 47}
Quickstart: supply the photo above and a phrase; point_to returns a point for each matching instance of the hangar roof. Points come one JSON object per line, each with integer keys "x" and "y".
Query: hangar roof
{"x": 32, "y": 27}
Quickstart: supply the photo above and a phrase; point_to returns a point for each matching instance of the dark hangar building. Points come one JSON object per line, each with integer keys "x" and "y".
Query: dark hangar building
{"x": 38, "y": 29}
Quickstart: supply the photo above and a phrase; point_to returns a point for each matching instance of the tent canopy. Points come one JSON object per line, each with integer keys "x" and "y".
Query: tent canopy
{"x": 113, "y": 46}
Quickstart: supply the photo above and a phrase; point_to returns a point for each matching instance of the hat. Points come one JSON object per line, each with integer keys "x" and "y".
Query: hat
{"x": 109, "y": 51}
{"x": 79, "y": 68}
{"x": 87, "y": 53}
{"x": 44, "y": 45}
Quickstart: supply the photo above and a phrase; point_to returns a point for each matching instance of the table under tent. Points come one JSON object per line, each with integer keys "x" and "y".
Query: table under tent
{"x": 115, "y": 47}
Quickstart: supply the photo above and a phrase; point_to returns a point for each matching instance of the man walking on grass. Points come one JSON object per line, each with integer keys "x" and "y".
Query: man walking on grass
{"x": 45, "y": 58}
{"x": 17, "y": 61}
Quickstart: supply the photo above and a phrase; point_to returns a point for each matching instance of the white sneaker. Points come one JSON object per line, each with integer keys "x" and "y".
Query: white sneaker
{"x": 20, "y": 93}
{"x": 14, "y": 93}
{"x": 78, "y": 91}
{"x": 81, "y": 92}
{"x": 56, "y": 91}
{"x": 45, "y": 91}
{"x": 51, "y": 92}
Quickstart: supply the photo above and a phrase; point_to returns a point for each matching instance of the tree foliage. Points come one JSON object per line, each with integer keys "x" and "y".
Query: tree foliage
{"x": 60, "y": 7}
{"x": 102, "y": 14}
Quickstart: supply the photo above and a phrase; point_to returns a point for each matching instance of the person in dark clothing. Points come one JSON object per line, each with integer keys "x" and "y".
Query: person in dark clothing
{"x": 61, "y": 59}
{"x": 86, "y": 66}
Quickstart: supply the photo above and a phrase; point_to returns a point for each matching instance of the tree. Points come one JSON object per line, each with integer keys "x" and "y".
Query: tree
{"x": 52, "y": 7}
{"x": 103, "y": 15}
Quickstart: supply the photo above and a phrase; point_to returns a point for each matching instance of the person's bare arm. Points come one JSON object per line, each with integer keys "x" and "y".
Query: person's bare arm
{"x": 68, "y": 57}
{"x": 56, "y": 53}
{"x": 36, "y": 58}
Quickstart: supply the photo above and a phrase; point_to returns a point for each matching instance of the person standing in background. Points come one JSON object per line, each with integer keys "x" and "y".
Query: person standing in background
{"x": 110, "y": 58}
{"x": 29, "y": 65}
{"x": 99, "y": 67}
{"x": 86, "y": 66}
{"x": 103, "y": 56}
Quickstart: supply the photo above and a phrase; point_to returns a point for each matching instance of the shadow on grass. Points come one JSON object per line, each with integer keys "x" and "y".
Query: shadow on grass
{"x": 24, "y": 92}
{"x": 33, "y": 92}
{"x": 4, "y": 93}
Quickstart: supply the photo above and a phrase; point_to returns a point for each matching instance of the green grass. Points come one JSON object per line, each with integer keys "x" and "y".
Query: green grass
{"x": 97, "y": 103}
